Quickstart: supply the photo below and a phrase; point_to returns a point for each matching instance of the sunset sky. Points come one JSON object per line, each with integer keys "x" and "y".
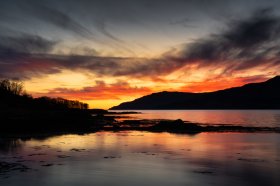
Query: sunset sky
{"x": 104, "y": 52}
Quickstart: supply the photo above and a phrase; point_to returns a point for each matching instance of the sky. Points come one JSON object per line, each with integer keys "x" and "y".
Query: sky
{"x": 105, "y": 52}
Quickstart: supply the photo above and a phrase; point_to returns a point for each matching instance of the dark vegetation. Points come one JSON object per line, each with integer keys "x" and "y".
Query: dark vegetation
{"x": 12, "y": 94}
{"x": 264, "y": 95}
{"x": 21, "y": 112}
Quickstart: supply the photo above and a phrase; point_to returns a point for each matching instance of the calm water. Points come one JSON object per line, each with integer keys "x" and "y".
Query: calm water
{"x": 144, "y": 158}
{"x": 261, "y": 118}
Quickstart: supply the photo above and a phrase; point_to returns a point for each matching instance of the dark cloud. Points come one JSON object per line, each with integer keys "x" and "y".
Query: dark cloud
{"x": 13, "y": 49}
{"x": 17, "y": 55}
{"x": 261, "y": 28}
{"x": 243, "y": 45}
{"x": 58, "y": 18}
{"x": 25, "y": 43}
{"x": 74, "y": 23}
{"x": 34, "y": 65}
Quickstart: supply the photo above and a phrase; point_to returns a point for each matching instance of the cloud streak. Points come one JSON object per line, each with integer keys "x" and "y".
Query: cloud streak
{"x": 25, "y": 44}
{"x": 59, "y": 19}
{"x": 243, "y": 45}
{"x": 101, "y": 91}
{"x": 17, "y": 56}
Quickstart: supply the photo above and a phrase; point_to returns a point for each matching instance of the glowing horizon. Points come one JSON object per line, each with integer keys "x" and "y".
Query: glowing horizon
{"x": 89, "y": 51}
{"x": 113, "y": 94}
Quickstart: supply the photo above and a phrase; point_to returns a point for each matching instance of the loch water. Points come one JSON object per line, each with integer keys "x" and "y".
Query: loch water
{"x": 142, "y": 158}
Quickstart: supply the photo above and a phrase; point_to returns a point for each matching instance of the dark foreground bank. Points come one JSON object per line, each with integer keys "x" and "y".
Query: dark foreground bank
{"x": 80, "y": 123}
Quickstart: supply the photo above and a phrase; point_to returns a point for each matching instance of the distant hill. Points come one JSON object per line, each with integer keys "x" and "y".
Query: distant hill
{"x": 264, "y": 95}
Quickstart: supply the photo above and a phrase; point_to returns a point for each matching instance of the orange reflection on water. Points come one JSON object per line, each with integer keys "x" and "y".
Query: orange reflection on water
{"x": 146, "y": 158}
{"x": 261, "y": 118}
{"x": 219, "y": 145}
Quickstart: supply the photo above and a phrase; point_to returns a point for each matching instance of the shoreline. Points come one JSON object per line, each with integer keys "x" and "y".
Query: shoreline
{"x": 169, "y": 126}
{"x": 96, "y": 120}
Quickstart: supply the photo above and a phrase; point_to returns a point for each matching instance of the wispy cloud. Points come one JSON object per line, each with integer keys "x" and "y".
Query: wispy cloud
{"x": 243, "y": 45}
{"x": 59, "y": 19}
{"x": 24, "y": 44}
{"x": 101, "y": 27}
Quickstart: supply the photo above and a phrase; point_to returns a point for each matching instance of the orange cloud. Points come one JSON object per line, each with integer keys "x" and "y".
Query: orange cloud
{"x": 219, "y": 84}
{"x": 101, "y": 91}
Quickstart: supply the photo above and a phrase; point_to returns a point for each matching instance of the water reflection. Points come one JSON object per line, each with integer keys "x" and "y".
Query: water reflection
{"x": 9, "y": 144}
{"x": 257, "y": 118}
{"x": 144, "y": 158}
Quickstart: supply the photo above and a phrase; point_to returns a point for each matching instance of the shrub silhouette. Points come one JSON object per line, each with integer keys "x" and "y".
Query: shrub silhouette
{"x": 12, "y": 93}
{"x": 9, "y": 87}
{"x": 19, "y": 111}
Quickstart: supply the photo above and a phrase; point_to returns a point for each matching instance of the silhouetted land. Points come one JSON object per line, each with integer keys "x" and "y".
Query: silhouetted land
{"x": 22, "y": 114}
{"x": 180, "y": 126}
{"x": 264, "y": 95}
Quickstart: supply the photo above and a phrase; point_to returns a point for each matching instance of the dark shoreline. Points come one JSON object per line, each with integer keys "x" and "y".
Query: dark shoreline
{"x": 170, "y": 126}
{"x": 77, "y": 121}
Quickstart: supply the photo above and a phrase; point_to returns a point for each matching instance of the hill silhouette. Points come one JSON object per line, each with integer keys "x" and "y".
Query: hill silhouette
{"x": 264, "y": 95}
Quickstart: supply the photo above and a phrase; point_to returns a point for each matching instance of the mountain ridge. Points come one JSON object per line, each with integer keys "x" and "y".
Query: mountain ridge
{"x": 263, "y": 95}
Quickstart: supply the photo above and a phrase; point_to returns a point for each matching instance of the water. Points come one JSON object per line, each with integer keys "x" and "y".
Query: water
{"x": 257, "y": 118}
{"x": 144, "y": 158}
